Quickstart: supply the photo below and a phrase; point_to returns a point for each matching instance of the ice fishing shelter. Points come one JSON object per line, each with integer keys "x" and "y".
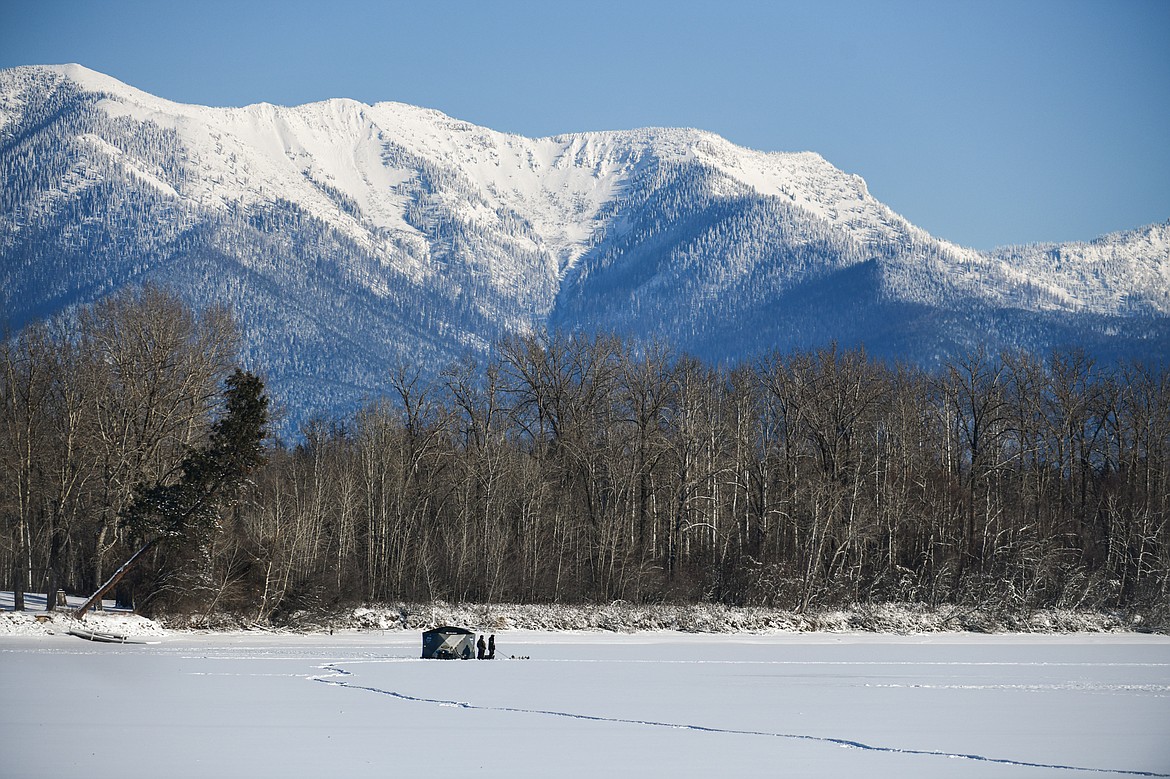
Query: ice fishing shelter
{"x": 448, "y": 643}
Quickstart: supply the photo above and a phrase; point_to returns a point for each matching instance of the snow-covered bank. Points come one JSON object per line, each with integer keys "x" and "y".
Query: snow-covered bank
{"x": 716, "y": 618}
{"x": 35, "y": 620}
{"x": 39, "y": 623}
{"x": 620, "y": 617}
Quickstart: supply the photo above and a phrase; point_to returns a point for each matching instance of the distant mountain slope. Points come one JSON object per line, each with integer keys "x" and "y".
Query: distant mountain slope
{"x": 349, "y": 236}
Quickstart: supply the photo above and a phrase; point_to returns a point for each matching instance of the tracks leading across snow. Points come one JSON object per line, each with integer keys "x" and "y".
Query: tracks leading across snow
{"x": 336, "y": 676}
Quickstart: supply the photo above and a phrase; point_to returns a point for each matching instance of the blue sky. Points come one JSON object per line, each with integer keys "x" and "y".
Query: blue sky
{"x": 985, "y": 123}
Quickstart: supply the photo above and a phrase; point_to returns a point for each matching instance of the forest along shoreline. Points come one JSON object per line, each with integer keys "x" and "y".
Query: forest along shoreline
{"x": 136, "y": 460}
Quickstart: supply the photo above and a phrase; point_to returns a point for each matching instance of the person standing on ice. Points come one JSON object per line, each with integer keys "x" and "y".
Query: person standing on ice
{"x": 492, "y": 647}
{"x": 479, "y": 647}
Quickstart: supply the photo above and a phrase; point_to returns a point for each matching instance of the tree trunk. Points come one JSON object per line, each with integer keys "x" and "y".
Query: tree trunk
{"x": 79, "y": 613}
{"x": 19, "y": 569}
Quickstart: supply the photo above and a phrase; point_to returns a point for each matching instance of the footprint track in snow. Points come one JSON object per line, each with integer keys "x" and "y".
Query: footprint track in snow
{"x": 335, "y": 677}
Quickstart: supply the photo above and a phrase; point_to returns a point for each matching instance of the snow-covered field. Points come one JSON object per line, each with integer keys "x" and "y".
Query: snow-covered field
{"x": 590, "y": 704}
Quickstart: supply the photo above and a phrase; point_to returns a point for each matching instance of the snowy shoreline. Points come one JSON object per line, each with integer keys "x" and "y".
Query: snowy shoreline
{"x": 620, "y": 617}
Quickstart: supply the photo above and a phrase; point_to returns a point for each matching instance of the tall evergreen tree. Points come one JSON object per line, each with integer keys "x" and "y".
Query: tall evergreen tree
{"x": 187, "y": 510}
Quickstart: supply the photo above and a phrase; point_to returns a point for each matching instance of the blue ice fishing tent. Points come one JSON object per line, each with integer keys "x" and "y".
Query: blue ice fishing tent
{"x": 448, "y": 643}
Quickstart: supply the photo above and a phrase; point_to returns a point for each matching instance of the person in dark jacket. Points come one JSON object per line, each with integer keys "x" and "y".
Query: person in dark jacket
{"x": 479, "y": 647}
{"x": 492, "y": 647}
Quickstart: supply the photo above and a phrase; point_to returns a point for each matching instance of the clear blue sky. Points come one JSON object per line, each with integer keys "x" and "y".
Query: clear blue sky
{"x": 983, "y": 122}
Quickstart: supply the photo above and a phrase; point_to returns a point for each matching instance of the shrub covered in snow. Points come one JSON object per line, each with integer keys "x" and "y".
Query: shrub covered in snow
{"x": 624, "y": 617}
{"x": 617, "y": 617}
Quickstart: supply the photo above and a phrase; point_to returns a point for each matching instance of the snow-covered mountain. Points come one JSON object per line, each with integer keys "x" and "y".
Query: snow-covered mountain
{"x": 349, "y": 236}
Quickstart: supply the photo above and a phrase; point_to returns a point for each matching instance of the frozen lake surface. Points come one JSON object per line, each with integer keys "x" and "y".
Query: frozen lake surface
{"x": 588, "y": 705}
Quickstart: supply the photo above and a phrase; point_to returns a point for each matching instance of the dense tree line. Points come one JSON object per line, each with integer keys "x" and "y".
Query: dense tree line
{"x": 95, "y": 408}
{"x": 589, "y": 469}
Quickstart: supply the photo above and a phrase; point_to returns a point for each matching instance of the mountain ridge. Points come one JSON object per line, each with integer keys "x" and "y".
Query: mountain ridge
{"x": 432, "y": 235}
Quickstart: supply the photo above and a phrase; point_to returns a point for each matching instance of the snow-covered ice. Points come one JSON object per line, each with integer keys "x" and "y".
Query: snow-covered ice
{"x": 589, "y": 704}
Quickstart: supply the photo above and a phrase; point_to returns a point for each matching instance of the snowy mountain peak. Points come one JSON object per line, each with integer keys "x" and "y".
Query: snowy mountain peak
{"x": 562, "y": 181}
{"x": 428, "y": 235}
